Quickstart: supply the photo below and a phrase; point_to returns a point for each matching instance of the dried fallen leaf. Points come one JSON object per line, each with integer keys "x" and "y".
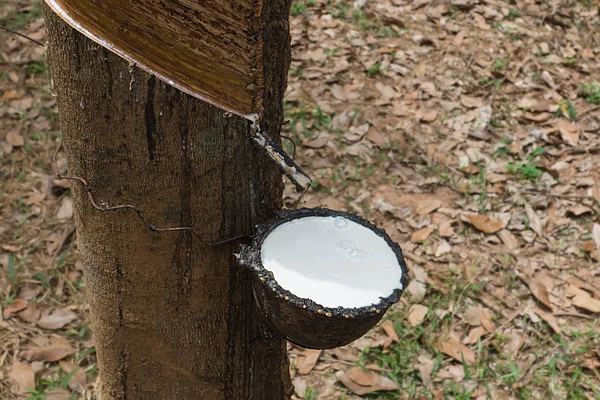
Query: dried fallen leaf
{"x": 568, "y": 131}
{"x": 78, "y": 381}
{"x": 541, "y": 117}
{"x": 587, "y": 303}
{"x": 11, "y": 95}
{"x": 473, "y": 316}
{"x": 14, "y": 307}
{"x": 428, "y": 116}
{"x": 57, "y": 319}
{"x": 387, "y": 92}
{"x": 588, "y": 246}
{"x": 31, "y": 313}
{"x": 474, "y": 335}
{"x": 66, "y": 209}
{"x": 485, "y": 224}
{"x": 457, "y": 350}
{"x": 416, "y": 314}
{"x": 596, "y": 235}
{"x": 376, "y": 138}
{"x": 51, "y": 353}
{"x": 338, "y": 92}
{"x": 549, "y": 318}
{"x": 300, "y": 387}
{"x": 579, "y": 210}
{"x": 417, "y": 289}
{"x": 535, "y": 223}
{"x": 58, "y": 394}
{"x": 22, "y": 377}
{"x": 421, "y": 235}
{"x": 381, "y": 383}
{"x": 509, "y": 240}
{"x": 346, "y": 354}
{"x": 390, "y": 331}
{"x": 29, "y": 291}
{"x": 14, "y": 139}
{"x": 310, "y": 360}
{"x": 486, "y": 322}
{"x": 445, "y": 229}
{"x": 425, "y": 366}
{"x": 538, "y": 290}
{"x": 428, "y": 206}
{"x": 35, "y": 199}
{"x": 477, "y": 316}
{"x": 471, "y": 102}
{"x": 362, "y": 377}
{"x": 596, "y": 190}
{"x": 515, "y": 341}
{"x": 443, "y": 248}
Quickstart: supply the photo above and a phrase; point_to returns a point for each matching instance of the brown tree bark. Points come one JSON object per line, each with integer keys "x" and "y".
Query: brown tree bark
{"x": 172, "y": 314}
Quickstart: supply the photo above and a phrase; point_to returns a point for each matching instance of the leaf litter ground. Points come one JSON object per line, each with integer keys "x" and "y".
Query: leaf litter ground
{"x": 468, "y": 129}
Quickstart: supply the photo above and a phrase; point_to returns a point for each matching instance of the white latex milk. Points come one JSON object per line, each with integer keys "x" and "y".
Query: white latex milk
{"x": 332, "y": 261}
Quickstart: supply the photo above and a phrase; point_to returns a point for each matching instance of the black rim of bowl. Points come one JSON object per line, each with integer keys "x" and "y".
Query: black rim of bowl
{"x": 252, "y": 257}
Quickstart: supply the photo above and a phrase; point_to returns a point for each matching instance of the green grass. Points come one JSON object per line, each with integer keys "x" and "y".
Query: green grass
{"x": 566, "y": 109}
{"x": 374, "y": 70}
{"x": 310, "y": 394}
{"x": 35, "y": 67}
{"x": 362, "y": 21}
{"x": 500, "y": 64}
{"x": 591, "y": 93}
{"x": 305, "y": 122}
{"x": 514, "y": 14}
{"x": 19, "y": 20}
{"x": 60, "y": 380}
{"x": 527, "y": 168}
{"x": 300, "y": 6}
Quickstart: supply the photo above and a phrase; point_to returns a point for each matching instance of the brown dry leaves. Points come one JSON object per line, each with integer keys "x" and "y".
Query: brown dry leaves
{"x": 450, "y": 129}
{"x": 23, "y": 378}
{"x": 485, "y": 224}
{"x": 307, "y": 361}
{"x": 361, "y": 381}
{"x": 56, "y": 319}
{"x": 455, "y": 349}
{"x": 58, "y": 349}
{"x": 417, "y": 314}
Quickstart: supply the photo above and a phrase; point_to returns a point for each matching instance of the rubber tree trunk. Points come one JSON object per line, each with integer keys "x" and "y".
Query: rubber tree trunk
{"x": 172, "y": 314}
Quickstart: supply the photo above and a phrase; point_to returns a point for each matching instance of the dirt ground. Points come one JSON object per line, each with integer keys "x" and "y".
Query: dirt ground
{"x": 468, "y": 129}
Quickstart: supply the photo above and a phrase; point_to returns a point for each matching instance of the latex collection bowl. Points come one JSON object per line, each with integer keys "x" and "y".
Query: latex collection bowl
{"x": 302, "y": 320}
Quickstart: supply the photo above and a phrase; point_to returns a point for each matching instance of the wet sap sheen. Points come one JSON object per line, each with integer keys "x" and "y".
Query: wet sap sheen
{"x": 332, "y": 261}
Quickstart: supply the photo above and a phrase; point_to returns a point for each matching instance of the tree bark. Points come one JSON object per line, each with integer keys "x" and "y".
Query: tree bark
{"x": 172, "y": 314}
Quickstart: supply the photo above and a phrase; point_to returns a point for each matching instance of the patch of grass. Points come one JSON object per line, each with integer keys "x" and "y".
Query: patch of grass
{"x": 363, "y": 21}
{"x": 500, "y": 64}
{"x": 566, "y": 109}
{"x": 12, "y": 273}
{"x": 310, "y": 394}
{"x": 374, "y": 70}
{"x": 339, "y": 10}
{"x": 514, "y": 14}
{"x": 311, "y": 120}
{"x": 529, "y": 171}
{"x": 61, "y": 380}
{"x": 35, "y": 67}
{"x": 591, "y": 93}
{"x": 19, "y": 20}
{"x": 300, "y": 6}
{"x": 387, "y": 31}
{"x": 528, "y": 168}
